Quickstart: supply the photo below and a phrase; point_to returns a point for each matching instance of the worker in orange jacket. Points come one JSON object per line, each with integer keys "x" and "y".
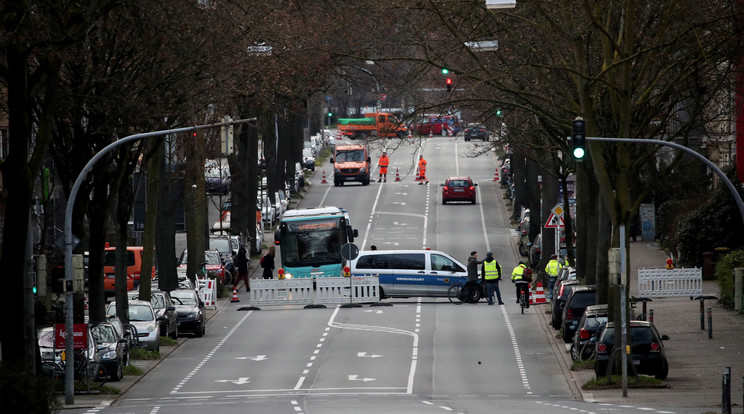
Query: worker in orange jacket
{"x": 383, "y": 163}
{"x": 422, "y": 170}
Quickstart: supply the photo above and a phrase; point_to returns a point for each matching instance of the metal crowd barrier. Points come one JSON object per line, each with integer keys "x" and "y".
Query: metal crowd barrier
{"x": 315, "y": 291}
{"x": 670, "y": 282}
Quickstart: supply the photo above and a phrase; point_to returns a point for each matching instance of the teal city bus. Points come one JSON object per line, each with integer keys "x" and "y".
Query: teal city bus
{"x": 310, "y": 241}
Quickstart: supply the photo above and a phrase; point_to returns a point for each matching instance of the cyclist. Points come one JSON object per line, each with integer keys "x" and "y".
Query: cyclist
{"x": 520, "y": 276}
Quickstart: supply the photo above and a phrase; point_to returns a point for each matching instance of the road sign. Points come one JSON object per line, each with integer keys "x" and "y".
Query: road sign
{"x": 349, "y": 251}
{"x": 554, "y": 221}
{"x": 557, "y": 210}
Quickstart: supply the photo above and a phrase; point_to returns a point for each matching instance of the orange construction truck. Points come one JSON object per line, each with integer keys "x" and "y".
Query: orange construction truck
{"x": 376, "y": 124}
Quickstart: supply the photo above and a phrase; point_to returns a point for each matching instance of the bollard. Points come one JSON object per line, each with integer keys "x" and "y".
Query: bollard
{"x": 702, "y": 314}
{"x": 710, "y": 323}
{"x": 651, "y": 316}
{"x": 726, "y": 392}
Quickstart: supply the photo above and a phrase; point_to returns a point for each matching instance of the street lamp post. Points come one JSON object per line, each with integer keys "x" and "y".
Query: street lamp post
{"x": 69, "y": 367}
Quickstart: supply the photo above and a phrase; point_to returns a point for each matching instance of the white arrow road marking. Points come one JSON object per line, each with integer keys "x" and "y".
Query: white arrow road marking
{"x": 239, "y": 381}
{"x": 364, "y": 355}
{"x": 405, "y": 194}
{"x": 255, "y": 358}
{"x": 375, "y": 311}
{"x": 354, "y": 378}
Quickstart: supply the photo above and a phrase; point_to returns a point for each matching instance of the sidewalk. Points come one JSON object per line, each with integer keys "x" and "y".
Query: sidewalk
{"x": 696, "y": 363}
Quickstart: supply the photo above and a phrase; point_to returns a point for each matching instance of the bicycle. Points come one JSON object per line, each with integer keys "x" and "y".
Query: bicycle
{"x": 523, "y": 299}
{"x": 460, "y": 292}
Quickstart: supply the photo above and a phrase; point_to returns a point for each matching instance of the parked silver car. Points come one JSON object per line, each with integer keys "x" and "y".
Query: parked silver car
{"x": 142, "y": 318}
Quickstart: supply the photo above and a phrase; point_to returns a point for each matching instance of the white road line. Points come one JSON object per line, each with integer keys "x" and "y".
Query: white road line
{"x": 517, "y": 353}
{"x": 219, "y": 345}
{"x": 385, "y": 329}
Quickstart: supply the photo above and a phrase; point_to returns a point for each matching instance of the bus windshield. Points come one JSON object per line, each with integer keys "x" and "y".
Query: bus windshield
{"x": 313, "y": 242}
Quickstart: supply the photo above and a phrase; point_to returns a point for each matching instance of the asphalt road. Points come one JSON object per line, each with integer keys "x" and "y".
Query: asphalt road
{"x": 420, "y": 355}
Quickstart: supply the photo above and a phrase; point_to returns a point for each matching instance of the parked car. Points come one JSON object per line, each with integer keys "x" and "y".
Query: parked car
{"x": 559, "y": 300}
{"x": 647, "y": 349}
{"x": 51, "y": 356}
{"x": 565, "y": 274}
{"x": 217, "y": 176}
{"x": 476, "y": 131}
{"x": 213, "y": 264}
{"x": 591, "y": 322}
{"x": 577, "y": 301}
{"x": 228, "y": 246}
{"x": 163, "y": 305}
{"x": 308, "y": 159}
{"x": 190, "y": 309}
{"x": 142, "y": 318}
{"x": 282, "y": 199}
{"x": 114, "y": 349}
{"x": 458, "y": 189}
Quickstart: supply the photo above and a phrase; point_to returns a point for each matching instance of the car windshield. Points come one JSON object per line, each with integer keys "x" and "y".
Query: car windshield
{"x": 594, "y": 322}
{"x": 46, "y": 338}
{"x": 103, "y": 334}
{"x": 184, "y": 298}
{"x": 345, "y": 156}
{"x": 583, "y": 299}
{"x": 638, "y": 335}
{"x": 212, "y": 258}
{"x": 221, "y": 244}
{"x": 140, "y": 313}
{"x": 459, "y": 183}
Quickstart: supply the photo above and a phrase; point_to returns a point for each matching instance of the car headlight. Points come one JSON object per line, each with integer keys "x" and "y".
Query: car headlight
{"x": 193, "y": 315}
{"x": 109, "y": 355}
{"x": 151, "y": 327}
{"x": 337, "y": 170}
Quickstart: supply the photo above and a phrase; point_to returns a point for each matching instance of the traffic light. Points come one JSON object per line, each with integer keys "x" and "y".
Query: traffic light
{"x": 498, "y": 112}
{"x": 578, "y": 140}
{"x": 449, "y": 84}
{"x": 445, "y": 71}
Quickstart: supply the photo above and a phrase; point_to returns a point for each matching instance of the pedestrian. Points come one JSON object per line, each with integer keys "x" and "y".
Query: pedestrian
{"x": 491, "y": 273}
{"x": 473, "y": 276}
{"x": 422, "y": 170}
{"x": 267, "y": 263}
{"x": 383, "y": 164}
{"x": 241, "y": 266}
{"x": 521, "y": 277}
{"x": 551, "y": 269}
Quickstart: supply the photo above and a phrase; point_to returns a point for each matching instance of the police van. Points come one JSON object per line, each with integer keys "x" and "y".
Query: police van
{"x": 410, "y": 273}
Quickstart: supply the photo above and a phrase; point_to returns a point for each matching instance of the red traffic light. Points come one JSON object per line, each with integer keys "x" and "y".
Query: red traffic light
{"x": 449, "y": 84}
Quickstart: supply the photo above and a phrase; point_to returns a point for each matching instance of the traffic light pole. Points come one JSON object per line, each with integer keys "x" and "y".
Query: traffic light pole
{"x": 713, "y": 167}
{"x": 69, "y": 350}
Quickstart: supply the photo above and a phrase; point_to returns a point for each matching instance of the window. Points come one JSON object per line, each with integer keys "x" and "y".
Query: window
{"x": 110, "y": 258}
{"x": 439, "y": 262}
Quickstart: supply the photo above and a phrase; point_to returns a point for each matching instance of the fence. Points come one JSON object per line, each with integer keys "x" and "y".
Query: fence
{"x": 670, "y": 282}
{"x": 208, "y": 292}
{"x": 315, "y": 291}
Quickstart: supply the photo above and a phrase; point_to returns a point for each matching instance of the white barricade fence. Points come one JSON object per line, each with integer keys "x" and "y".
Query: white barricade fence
{"x": 281, "y": 292}
{"x": 317, "y": 291}
{"x": 670, "y": 282}
{"x": 340, "y": 290}
{"x": 208, "y": 292}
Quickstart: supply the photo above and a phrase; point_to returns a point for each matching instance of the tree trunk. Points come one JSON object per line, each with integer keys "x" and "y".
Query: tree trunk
{"x": 168, "y": 199}
{"x": 151, "y": 209}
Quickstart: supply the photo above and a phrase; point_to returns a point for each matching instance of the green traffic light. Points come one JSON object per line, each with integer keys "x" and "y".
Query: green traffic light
{"x": 445, "y": 71}
{"x": 35, "y": 290}
{"x": 578, "y": 153}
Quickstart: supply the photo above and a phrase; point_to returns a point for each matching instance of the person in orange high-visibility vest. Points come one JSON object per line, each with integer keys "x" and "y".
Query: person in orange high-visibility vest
{"x": 383, "y": 163}
{"x": 422, "y": 170}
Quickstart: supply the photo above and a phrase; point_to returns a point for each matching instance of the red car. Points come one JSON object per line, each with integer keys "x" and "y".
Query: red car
{"x": 458, "y": 189}
{"x": 213, "y": 264}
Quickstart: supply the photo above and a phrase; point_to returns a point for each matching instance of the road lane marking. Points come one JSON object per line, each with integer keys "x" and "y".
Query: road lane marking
{"x": 219, "y": 345}
{"x": 517, "y": 353}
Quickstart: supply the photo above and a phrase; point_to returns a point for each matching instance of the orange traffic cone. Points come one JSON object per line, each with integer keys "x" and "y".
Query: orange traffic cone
{"x": 529, "y": 295}
{"x": 430, "y": 134}
{"x": 496, "y": 175}
{"x": 540, "y": 294}
{"x": 410, "y": 134}
{"x": 324, "y": 179}
{"x": 397, "y": 175}
{"x": 418, "y": 178}
{"x": 235, "y": 295}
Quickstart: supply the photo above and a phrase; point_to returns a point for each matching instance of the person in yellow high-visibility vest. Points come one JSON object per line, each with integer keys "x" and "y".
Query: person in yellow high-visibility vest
{"x": 491, "y": 273}
{"x": 551, "y": 269}
{"x": 521, "y": 277}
